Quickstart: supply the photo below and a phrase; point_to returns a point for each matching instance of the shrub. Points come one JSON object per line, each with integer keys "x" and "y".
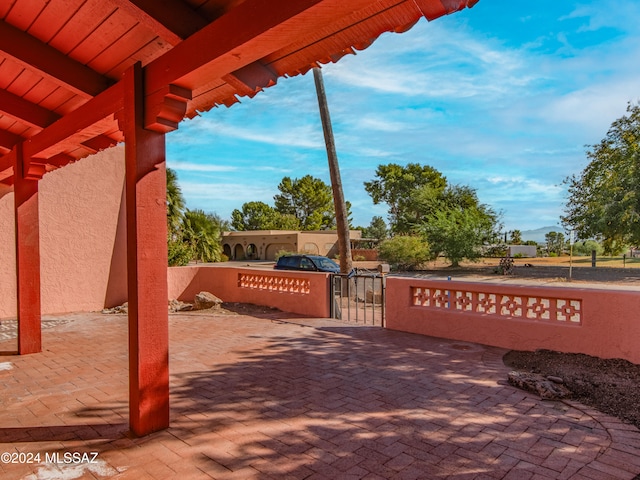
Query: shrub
{"x": 283, "y": 253}
{"x": 179, "y": 253}
{"x": 585, "y": 248}
{"x": 404, "y": 252}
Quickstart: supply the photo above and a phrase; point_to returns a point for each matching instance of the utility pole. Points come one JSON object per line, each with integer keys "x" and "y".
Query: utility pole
{"x": 342, "y": 222}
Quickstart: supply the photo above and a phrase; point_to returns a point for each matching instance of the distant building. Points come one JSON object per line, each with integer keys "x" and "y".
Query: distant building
{"x": 265, "y": 244}
{"x": 522, "y": 251}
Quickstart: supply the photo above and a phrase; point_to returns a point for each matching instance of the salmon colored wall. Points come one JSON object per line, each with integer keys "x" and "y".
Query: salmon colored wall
{"x": 609, "y": 320}
{"x": 82, "y": 237}
{"x": 295, "y": 292}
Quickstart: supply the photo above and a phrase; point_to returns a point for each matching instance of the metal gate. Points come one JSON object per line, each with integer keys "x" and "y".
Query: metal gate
{"x": 358, "y": 297}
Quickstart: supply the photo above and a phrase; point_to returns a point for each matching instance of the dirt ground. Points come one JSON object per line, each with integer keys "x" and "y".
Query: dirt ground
{"x": 611, "y": 386}
{"x": 543, "y": 269}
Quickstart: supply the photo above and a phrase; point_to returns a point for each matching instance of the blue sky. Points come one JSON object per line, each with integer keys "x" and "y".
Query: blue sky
{"x": 503, "y": 97}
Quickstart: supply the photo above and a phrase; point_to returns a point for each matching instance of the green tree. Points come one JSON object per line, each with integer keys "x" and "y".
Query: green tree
{"x": 604, "y": 200}
{"x": 555, "y": 243}
{"x": 308, "y": 199}
{"x": 202, "y": 233}
{"x": 178, "y": 252}
{"x": 459, "y": 233}
{"x": 406, "y": 190}
{"x": 175, "y": 202}
{"x": 376, "y": 230}
{"x": 584, "y": 248}
{"x": 260, "y": 216}
{"x": 516, "y": 237}
{"x": 405, "y": 252}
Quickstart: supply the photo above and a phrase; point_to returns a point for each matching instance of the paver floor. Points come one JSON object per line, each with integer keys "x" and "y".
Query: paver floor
{"x": 293, "y": 398}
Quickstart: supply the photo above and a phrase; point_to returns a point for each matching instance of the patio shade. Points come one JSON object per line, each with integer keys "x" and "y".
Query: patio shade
{"x": 62, "y": 61}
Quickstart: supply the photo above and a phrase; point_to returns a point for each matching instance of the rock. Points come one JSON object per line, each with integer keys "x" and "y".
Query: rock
{"x": 373, "y": 297}
{"x": 555, "y": 379}
{"x": 124, "y": 308}
{"x": 205, "y": 300}
{"x": 178, "y": 306}
{"x": 543, "y": 386}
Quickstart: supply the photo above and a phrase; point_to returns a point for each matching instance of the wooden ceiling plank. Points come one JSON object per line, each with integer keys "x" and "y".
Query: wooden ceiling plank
{"x": 113, "y": 54}
{"x": 9, "y": 71}
{"x": 171, "y": 20}
{"x": 91, "y": 14}
{"x": 24, "y": 82}
{"x": 23, "y": 13}
{"x": 53, "y": 17}
{"x": 145, "y": 55}
{"x": 103, "y": 36}
{"x": 342, "y": 36}
{"x": 34, "y": 54}
{"x": 25, "y": 111}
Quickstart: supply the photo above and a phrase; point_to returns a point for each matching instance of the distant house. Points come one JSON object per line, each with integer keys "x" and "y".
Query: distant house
{"x": 265, "y": 244}
{"x": 522, "y": 251}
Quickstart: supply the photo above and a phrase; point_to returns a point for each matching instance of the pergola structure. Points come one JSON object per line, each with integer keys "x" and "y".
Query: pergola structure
{"x": 79, "y": 76}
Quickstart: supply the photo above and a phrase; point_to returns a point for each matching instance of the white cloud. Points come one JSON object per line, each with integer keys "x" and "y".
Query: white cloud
{"x": 302, "y": 136}
{"x": 182, "y": 166}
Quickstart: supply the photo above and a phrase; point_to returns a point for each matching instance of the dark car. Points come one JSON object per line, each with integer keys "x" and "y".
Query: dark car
{"x": 310, "y": 263}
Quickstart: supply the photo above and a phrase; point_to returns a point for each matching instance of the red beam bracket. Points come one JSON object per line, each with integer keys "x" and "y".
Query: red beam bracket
{"x": 251, "y": 79}
{"x": 166, "y": 108}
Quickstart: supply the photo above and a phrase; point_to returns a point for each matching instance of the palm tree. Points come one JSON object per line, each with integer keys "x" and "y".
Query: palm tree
{"x": 175, "y": 203}
{"x": 201, "y": 231}
{"x": 342, "y": 218}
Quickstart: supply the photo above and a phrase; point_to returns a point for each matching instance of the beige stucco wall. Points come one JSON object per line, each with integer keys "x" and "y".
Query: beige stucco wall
{"x": 82, "y": 237}
{"x": 269, "y": 242}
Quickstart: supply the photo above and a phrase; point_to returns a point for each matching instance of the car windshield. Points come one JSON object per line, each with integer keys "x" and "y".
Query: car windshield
{"x": 325, "y": 263}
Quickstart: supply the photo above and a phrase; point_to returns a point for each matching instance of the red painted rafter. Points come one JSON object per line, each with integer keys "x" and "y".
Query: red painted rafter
{"x": 6, "y": 163}
{"x": 51, "y": 63}
{"x": 8, "y": 140}
{"x": 25, "y": 111}
{"x": 96, "y": 109}
{"x": 101, "y": 142}
{"x": 171, "y": 20}
{"x": 227, "y": 55}
{"x": 243, "y": 24}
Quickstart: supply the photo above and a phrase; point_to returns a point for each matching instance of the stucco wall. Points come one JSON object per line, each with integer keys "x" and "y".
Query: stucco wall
{"x": 82, "y": 237}
{"x": 305, "y": 293}
{"x": 603, "y": 323}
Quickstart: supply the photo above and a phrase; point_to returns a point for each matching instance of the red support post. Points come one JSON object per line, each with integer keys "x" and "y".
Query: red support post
{"x": 27, "y": 258}
{"x": 146, "y": 264}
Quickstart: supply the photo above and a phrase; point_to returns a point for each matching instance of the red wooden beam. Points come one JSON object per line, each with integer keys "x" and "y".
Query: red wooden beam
{"x": 239, "y": 26}
{"x": 171, "y": 20}
{"x": 27, "y": 259}
{"x": 165, "y": 109}
{"x": 99, "y": 143}
{"x": 53, "y": 64}
{"x": 145, "y": 186}
{"x": 96, "y": 109}
{"x": 251, "y": 79}
{"x": 8, "y": 140}
{"x": 433, "y": 9}
{"x": 25, "y": 111}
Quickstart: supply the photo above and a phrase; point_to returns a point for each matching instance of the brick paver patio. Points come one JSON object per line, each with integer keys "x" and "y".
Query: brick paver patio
{"x": 292, "y": 398}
